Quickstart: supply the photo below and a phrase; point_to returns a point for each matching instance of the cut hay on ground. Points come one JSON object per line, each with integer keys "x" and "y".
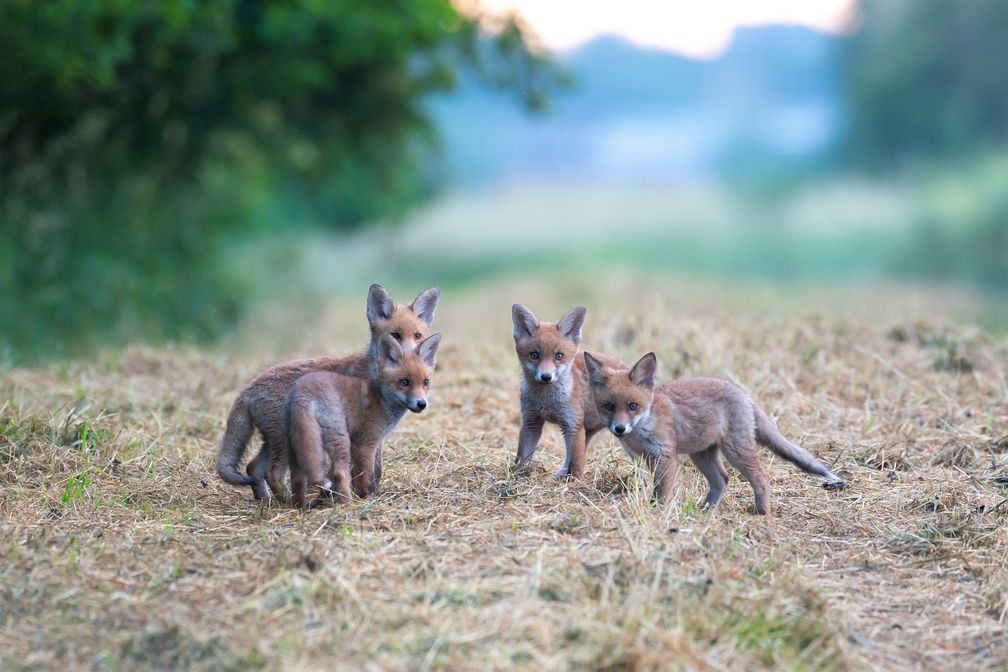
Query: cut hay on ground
{"x": 121, "y": 549}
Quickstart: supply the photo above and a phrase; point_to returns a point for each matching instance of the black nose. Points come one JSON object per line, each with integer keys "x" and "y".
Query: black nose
{"x": 421, "y": 404}
{"x": 619, "y": 429}
{"x": 544, "y": 377}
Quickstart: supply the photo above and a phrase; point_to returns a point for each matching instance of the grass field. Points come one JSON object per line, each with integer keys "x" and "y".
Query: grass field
{"x": 120, "y": 549}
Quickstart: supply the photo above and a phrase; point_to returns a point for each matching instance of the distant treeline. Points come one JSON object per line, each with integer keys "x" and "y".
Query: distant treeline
{"x": 927, "y": 98}
{"x": 137, "y": 139}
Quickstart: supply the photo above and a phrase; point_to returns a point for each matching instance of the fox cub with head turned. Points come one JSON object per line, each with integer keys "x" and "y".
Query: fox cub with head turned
{"x": 555, "y": 386}
{"x": 335, "y": 422}
{"x": 261, "y": 404}
{"x": 699, "y": 417}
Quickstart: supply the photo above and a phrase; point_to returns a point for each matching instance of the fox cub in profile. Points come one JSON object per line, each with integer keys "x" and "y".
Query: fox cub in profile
{"x": 336, "y": 422}
{"x": 261, "y": 404}
{"x": 699, "y": 417}
{"x": 555, "y": 386}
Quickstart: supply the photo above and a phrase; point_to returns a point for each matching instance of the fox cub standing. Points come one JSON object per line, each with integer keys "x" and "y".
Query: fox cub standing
{"x": 555, "y": 388}
{"x": 336, "y": 422}
{"x": 698, "y": 417}
{"x": 261, "y": 404}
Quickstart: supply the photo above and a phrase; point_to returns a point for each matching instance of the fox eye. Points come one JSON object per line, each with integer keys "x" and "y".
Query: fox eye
{"x": 609, "y": 406}
{"x": 417, "y": 335}
{"x": 404, "y": 382}
{"x": 558, "y": 356}
{"x": 426, "y": 382}
{"x": 534, "y": 355}
{"x": 633, "y": 405}
{"x": 396, "y": 335}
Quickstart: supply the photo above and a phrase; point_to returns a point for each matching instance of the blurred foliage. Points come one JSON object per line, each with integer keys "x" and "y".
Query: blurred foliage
{"x": 960, "y": 226}
{"x": 136, "y": 137}
{"x": 926, "y": 80}
{"x": 927, "y": 95}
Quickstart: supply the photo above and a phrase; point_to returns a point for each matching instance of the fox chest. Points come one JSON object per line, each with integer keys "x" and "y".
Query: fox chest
{"x": 550, "y": 402}
{"x": 377, "y": 426}
{"x": 643, "y": 441}
{"x": 371, "y": 433}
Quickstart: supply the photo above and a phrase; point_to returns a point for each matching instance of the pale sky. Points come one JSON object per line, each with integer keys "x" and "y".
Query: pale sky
{"x": 694, "y": 27}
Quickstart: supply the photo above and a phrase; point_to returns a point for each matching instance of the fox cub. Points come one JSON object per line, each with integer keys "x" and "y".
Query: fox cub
{"x": 261, "y": 404}
{"x": 699, "y": 417}
{"x": 336, "y": 423}
{"x": 555, "y": 386}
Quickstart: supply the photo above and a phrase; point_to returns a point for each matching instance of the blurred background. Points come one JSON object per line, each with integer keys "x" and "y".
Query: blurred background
{"x": 187, "y": 171}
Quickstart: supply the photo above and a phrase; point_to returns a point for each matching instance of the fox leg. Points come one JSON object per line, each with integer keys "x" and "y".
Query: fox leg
{"x": 721, "y": 467}
{"x": 276, "y": 471}
{"x": 745, "y": 458}
{"x": 299, "y": 488}
{"x": 341, "y": 484}
{"x": 528, "y": 439}
{"x": 574, "y": 453}
{"x": 376, "y": 481}
{"x": 709, "y": 463}
{"x": 665, "y": 469}
{"x": 308, "y": 458}
{"x": 256, "y": 468}
{"x": 336, "y": 444}
{"x": 362, "y": 468}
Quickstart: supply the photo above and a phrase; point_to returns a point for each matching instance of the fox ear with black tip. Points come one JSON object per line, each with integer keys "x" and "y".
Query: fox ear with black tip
{"x": 389, "y": 350}
{"x": 596, "y": 372}
{"x": 644, "y": 371}
{"x": 379, "y": 304}
{"x": 525, "y": 323}
{"x": 425, "y": 304}
{"x": 428, "y": 349}
{"x": 571, "y": 324}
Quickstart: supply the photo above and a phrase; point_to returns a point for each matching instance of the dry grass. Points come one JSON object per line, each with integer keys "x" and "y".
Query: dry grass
{"x": 120, "y": 549}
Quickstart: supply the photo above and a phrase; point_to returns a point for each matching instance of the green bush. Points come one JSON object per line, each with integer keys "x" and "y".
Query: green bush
{"x": 961, "y": 226}
{"x": 137, "y": 137}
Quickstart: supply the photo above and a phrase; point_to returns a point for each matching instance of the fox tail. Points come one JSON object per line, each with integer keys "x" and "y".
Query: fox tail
{"x": 769, "y": 435}
{"x": 232, "y": 447}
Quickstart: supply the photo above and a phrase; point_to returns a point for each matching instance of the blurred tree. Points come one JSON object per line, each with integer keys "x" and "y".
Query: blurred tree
{"x": 926, "y": 79}
{"x": 927, "y": 88}
{"x": 135, "y": 136}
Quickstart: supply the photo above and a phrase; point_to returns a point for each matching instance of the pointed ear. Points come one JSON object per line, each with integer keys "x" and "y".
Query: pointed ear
{"x": 379, "y": 304}
{"x": 389, "y": 350}
{"x": 525, "y": 323}
{"x": 425, "y": 304}
{"x": 428, "y": 349}
{"x": 570, "y": 324}
{"x": 643, "y": 372}
{"x": 596, "y": 372}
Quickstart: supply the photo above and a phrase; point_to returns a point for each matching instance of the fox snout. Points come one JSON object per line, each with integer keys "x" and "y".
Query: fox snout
{"x": 619, "y": 429}
{"x": 546, "y": 372}
{"x": 416, "y": 405}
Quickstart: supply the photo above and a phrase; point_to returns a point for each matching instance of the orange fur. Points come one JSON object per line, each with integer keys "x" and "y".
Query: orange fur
{"x": 260, "y": 406}
{"x": 555, "y": 386}
{"x": 699, "y": 417}
{"x": 337, "y": 423}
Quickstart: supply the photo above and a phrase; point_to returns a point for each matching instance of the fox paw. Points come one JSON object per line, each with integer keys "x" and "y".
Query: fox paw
{"x": 521, "y": 468}
{"x": 836, "y": 485}
{"x": 563, "y": 473}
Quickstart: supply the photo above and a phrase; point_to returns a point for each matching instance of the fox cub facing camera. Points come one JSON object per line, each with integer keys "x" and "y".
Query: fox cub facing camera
{"x": 337, "y": 423}
{"x": 702, "y": 418}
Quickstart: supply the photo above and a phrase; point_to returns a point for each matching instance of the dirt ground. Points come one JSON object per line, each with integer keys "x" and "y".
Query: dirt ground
{"x": 120, "y": 549}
